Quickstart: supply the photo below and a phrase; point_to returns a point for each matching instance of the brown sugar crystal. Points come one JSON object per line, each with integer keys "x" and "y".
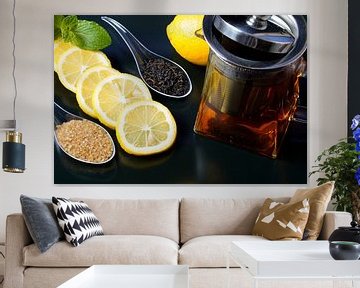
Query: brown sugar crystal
{"x": 84, "y": 140}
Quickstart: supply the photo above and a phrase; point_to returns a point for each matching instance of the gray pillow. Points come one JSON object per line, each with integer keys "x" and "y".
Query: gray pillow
{"x": 41, "y": 221}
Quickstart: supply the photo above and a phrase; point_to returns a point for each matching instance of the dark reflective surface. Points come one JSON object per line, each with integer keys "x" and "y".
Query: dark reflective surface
{"x": 193, "y": 159}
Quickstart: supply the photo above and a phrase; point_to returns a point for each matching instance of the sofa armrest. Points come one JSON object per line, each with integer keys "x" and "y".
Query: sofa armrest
{"x": 333, "y": 220}
{"x": 17, "y": 237}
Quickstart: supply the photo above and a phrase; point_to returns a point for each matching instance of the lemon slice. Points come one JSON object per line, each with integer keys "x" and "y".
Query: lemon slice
{"x": 60, "y": 46}
{"x": 86, "y": 85}
{"x": 74, "y": 61}
{"x": 113, "y": 93}
{"x": 145, "y": 128}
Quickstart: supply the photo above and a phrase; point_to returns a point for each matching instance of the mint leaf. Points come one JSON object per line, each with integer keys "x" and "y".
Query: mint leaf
{"x": 90, "y": 36}
{"x": 57, "y": 25}
{"x": 85, "y": 34}
{"x": 69, "y": 22}
{"x": 68, "y": 25}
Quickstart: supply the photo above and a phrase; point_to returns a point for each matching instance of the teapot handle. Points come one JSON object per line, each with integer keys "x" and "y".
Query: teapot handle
{"x": 300, "y": 115}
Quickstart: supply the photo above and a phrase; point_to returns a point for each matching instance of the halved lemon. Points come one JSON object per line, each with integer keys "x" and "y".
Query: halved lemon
{"x": 113, "y": 93}
{"x": 87, "y": 83}
{"x": 186, "y": 36}
{"x": 74, "y": 61}
{"x": 145, "y": 128}
{"x": 60, "y": 46}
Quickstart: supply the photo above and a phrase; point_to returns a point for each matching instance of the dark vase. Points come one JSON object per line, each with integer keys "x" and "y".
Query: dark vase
{"x": 351, "y": 234}
{"x": 344, "y": 250}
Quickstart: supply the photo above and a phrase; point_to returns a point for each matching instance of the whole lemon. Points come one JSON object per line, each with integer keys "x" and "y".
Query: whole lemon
{"x": 186, "y": 36}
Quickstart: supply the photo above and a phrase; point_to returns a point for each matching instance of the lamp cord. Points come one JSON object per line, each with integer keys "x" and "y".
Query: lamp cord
{"x": 14, "y": 60}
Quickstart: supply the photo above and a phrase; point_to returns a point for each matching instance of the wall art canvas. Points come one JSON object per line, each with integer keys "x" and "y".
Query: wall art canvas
{"x": 180, "y": 99}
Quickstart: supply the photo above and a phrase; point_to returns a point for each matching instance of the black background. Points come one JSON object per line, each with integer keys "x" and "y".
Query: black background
{"x": 354, "y": 61}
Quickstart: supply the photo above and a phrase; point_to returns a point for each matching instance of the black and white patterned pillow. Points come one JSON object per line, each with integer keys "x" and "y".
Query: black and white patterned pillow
{"x": 77, "y": 220}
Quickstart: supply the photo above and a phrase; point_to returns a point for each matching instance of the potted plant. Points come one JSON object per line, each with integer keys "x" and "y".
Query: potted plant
{"x": 341, "y": 163}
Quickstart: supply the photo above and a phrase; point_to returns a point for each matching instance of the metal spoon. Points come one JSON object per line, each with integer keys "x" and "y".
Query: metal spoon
{"x": 61, "y": 116}
{"x": 142, "y": 55}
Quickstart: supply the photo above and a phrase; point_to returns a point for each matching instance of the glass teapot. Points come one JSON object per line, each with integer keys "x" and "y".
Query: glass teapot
{"x": 251, "y": 85}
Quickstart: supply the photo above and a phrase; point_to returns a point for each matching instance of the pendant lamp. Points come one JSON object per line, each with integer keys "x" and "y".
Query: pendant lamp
{"x": 13, "y": 158}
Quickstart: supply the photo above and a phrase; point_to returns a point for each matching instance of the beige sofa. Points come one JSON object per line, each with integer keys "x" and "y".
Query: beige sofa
{"x": 194, "y": 232}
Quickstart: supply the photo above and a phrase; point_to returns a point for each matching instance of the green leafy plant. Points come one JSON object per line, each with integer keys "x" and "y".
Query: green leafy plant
{"x": 83, "y": 33}
{"x": 341, "y": 163}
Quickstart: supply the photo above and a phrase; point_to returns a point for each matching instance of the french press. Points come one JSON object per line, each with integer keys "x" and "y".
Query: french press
{"x": 251, "y": 85}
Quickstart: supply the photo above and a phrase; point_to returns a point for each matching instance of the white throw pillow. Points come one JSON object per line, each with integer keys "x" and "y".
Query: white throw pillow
{"x": 77, "y": 220}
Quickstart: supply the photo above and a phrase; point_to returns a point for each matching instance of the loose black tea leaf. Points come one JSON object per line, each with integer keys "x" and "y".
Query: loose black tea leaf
{"x": 165, "y": 77}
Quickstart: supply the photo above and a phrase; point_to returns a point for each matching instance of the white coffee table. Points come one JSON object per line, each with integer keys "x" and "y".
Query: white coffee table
{"x": 297, "y": 260}
{"x": 131, "y": 276}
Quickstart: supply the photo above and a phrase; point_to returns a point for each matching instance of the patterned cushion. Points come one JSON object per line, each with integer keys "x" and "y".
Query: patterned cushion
{"x": 319, "y": 198}
{"x": 279, "y": 221}
{"x": 77, "y": 220}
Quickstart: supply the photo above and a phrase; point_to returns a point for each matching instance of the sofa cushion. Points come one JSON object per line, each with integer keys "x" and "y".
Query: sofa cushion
{"x": 201, "y": 217}
{"x": 158, "y": 217}
{"x": 48, "y": 277}
{"x": 41, "y": 221}
{"x": 107, "y": 249}
{"x": 319, "y": 198}
{"x": 279, "y": 221}
{"x": 211, "y": 251}
{"x": 77, "y": 220}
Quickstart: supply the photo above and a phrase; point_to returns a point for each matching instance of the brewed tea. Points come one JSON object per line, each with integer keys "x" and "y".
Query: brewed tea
{"x": 251, "y": 113}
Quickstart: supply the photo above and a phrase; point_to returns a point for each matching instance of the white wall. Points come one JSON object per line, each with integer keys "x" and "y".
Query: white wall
{"x": 327, "y": 70}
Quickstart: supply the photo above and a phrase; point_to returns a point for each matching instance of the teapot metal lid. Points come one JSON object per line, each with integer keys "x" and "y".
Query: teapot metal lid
{"x": 261, "y": 32}
{"x": 256, "y": 41}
